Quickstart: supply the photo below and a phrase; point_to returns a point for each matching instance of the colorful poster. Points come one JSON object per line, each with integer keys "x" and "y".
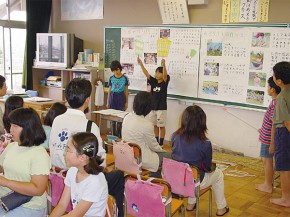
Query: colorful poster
{"x": 178, "y": 46}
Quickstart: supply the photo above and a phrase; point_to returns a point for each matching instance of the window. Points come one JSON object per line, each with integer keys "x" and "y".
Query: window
{"x": 12, "y": 41}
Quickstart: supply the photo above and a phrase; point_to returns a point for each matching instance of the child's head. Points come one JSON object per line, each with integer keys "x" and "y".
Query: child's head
{"x": 116, "y": 66}
{"x": 193, "y": 123}
{"x": 142, "y": 104}
{"x": 281, "y": 73}
{"x": 26, "y": 127}
{"x": 82, "y": 149}
{"x": 273, "y": 87}
{"x": 159, "y": 73}
{"x": 77, "y": 92}
{"x": 3, "y": 87}
{"x": 12, "y": 103}
{"x": 55, "y": 110}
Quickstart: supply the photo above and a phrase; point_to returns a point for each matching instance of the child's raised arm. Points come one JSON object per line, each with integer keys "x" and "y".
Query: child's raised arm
{"x": 164, "y": 70}
{"x": 144, "y": 70}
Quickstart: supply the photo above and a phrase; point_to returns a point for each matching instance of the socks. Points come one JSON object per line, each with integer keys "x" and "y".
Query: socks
{"x": 157, "y": 139}
{"x": 161, "y": 141}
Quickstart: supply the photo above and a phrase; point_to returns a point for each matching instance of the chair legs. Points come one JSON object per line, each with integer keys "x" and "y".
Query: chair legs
{"x": 210, "y": 203}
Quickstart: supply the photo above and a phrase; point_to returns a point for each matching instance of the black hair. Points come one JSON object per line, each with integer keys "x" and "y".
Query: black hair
{"x": 55, "y": 110}
{"x": 12, "y": 103}
{"x": 159, "y": 69}
{"x": 115, "y": 65}
{"x": 282, "y": 71}
{"x": 32, "y": 131}
{"x": 2, "y": 81}
{"x": 87, "y": 143}
{"x": 273, "y": 85}
{"x": 193, "y": 124}
{"x": 77, "y": 91}
{"x": 142, "y": 104}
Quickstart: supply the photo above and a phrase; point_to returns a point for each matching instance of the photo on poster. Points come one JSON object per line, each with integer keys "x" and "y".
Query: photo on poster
{"x": 211, "y": 69}
{"x": 256, "y": 60}
{"x": 210, "y": 87}
{"x": 257, "y": 79}
{"x": 255, "y": 97}
{"x": 260, "y": 39}
{"x": 128, "y": 43}
{"x": 150, "y": 58}
{"x": 128, "y": 68}
{"x": 214, "y": 49}
{"x": 165, "y": 33}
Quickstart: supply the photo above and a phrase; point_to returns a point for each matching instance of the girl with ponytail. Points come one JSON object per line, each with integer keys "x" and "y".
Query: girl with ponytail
{"x": 85, "y": 183}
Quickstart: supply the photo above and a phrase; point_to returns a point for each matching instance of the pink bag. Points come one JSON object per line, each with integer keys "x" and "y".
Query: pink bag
{"x": 144, "y": 198}
{"x": 180, "y": 177}
{"x": 57, "y": 186}
{"x": 124, "y": 158}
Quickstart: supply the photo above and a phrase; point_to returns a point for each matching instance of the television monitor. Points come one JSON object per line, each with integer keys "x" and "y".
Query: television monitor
{"x": 57, "y": 49}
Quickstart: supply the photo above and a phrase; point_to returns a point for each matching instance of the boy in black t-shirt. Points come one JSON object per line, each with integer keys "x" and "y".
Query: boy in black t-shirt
{"x": 159, "y": 86}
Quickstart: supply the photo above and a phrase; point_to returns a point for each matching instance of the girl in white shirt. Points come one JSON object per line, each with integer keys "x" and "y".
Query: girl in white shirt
{"x": 85, "y": 184}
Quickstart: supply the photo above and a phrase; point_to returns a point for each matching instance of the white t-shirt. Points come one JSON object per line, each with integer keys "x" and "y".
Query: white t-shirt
{"x": 92, "y": 189}
{"x": 72, "y": 121}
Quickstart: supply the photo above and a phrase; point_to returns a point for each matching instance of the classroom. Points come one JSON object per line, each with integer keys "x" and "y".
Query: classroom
{"x": 232, "y": 126}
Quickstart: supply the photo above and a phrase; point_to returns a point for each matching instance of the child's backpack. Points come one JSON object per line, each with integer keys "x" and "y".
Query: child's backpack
{"x": 180, "y": 177}
{"x": 144, "y": 199}
{"x": 124, "y": 158}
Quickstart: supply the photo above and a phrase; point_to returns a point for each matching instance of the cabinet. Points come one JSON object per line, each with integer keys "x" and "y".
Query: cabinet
{"x": 58, "y": 93}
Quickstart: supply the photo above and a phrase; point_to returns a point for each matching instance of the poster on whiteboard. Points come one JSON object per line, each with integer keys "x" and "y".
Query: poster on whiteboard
{"x": 178, "y": 46}
{"x": 235, "y": 63}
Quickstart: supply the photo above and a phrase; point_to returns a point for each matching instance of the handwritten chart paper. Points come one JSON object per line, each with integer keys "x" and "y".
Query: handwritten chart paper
{"x": 234, "y": 11}
{"x": 178, "y": 46}
{"x": 235, "y": 64}
{"x": 173, "y": 11}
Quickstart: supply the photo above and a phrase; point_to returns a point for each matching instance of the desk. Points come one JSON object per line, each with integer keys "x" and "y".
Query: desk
{"x": 110, "y": 115}
{"x": 40, "y": 107}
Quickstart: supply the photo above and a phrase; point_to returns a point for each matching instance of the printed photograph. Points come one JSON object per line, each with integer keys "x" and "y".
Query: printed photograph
{"x": 214, "y": 49}
{"x": 211, "y": 69}
{"x": 210, "y": 87}
{"x": 127, "y": 43}
{"x": 260, "y": 39}
{"x": 256, "y": 60}
{"x": 165, "y": 33}
{"x": 257, "y": 79}
{"x": 128, "y": 68}
{"x": 255, "y": 97}
{"x": 150, "y": 58}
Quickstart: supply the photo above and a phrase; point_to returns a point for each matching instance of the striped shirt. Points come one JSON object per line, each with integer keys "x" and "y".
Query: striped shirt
{"x": 265, "y": 131}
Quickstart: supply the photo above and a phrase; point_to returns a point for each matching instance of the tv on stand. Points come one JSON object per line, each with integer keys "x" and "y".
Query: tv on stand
{"x": 57, "y": 50}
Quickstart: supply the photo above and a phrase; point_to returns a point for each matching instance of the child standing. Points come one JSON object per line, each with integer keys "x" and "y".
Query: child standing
{"x": 118, "y": 93}
{"x": 265, "y": 138}
{"x": 159, "y": 86}
{"x": 280, "y": 137}
{"x": 85, "y": 184}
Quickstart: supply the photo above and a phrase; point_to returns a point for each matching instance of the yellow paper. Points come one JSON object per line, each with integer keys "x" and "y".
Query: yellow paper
{"x": 163, "y": 46}
{"x": 226, "y": 6}
{"x": 263, "y": 11}
{"x": 235, "y": 11}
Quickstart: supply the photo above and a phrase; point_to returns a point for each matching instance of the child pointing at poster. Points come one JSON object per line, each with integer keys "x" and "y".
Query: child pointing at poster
{"x": 159, "y": 84}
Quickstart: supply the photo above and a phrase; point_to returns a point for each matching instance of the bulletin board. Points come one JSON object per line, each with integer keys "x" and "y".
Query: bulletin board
{"x": 226, "y": 64}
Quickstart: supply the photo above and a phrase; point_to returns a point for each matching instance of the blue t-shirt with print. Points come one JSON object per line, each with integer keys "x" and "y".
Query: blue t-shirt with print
{"x": 118, "y": 85}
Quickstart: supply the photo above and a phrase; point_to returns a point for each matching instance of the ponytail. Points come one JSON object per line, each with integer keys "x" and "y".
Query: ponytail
{"x": 93, "y": 167}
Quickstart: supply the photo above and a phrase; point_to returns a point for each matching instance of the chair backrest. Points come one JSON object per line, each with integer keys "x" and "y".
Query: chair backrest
{"x": 112, "y": 210}
{"x": 146, "y": 196}
{"x": 180, "y": 176}
{"x": 124, "y": 158}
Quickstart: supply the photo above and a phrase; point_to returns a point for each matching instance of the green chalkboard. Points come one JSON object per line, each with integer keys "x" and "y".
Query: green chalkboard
{"x": 208, "y": 88}
{"x": 112, "y": 45}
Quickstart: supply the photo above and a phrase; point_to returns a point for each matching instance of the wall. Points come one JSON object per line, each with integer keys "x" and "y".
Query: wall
{"x": 224, "y": 128}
